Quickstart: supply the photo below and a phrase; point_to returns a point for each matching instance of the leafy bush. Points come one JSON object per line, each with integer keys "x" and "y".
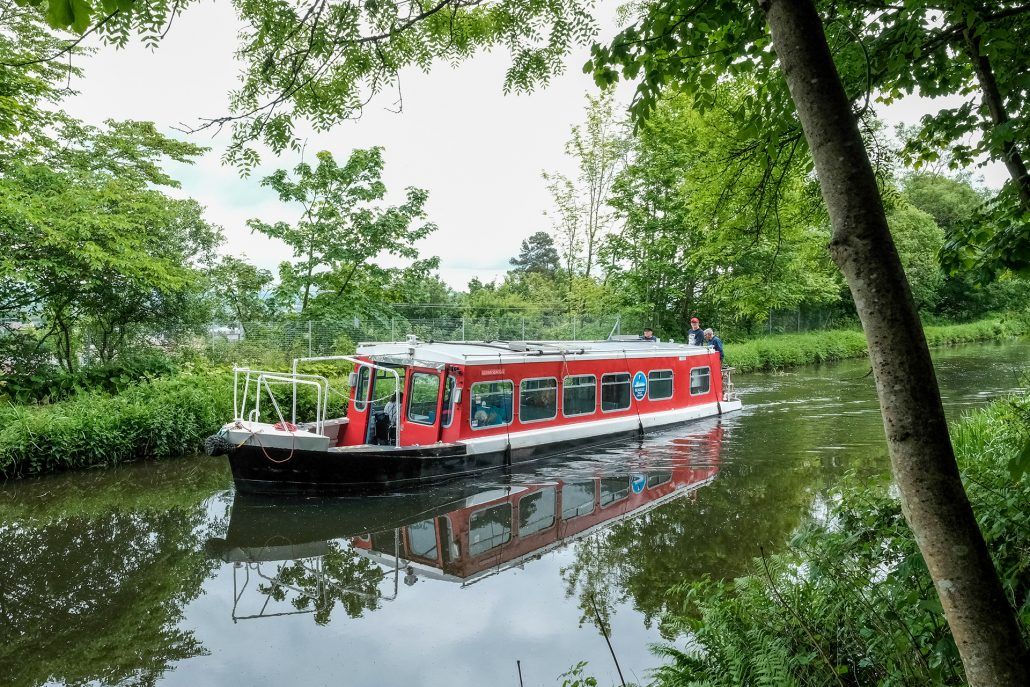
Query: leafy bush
{"x": 792, "y": 350}
{"x": 162, "y": 418}
{"x": 851, "y": 601}
{"x": 47, "y": 384}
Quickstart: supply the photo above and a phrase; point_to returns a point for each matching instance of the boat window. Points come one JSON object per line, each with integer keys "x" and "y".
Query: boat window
{"x": 614, "y": 489}
{"x": 659, "y": 384}
{"x": 579, "y": 395}
{"x": 425, "y": 389}
{"x": 491, "y": 404}
{"x": 422, "y": 539}
{"x": 536, "y": 511}
{"x": 361, "y": 389}
{"x": 447, "y": 412}
{"x": 700, "y": 381}
{"x": 577, "y": 498}
{"x": 384, "y": 387}
{"x": 614, "y": 392}
{"x": 489, "y": 528}
{"x": 659, "y": 477}
{"x": 538, "y": 399}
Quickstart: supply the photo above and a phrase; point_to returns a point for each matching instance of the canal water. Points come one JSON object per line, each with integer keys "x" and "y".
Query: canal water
{"x": 158, "y": 573}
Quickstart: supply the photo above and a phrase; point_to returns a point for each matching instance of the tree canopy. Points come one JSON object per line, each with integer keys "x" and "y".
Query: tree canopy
{"x": 342, "y": 226}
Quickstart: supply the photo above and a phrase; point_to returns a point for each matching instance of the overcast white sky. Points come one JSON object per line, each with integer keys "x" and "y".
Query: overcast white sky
{"x": 478, "y": 152}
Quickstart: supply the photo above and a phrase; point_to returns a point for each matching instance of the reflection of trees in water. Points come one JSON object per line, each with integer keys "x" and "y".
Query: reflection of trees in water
{"x": 644, "y": 559}
{"x": 340, "y": 576}
{"x": 99, "y": 598}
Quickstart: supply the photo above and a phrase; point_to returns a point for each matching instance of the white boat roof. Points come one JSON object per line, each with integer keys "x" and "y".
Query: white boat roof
{"x": 438, "y": 353}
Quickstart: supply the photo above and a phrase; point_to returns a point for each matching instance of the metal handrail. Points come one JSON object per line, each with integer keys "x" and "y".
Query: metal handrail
{"x": 319, "y": 408}
{"x": 356, "y": 361}
{"x": 239, "y": 405}
{"x": 728, "y": 393}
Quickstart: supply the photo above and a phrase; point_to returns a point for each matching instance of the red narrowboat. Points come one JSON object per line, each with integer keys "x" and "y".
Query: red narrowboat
{"x": 420, "y": 412}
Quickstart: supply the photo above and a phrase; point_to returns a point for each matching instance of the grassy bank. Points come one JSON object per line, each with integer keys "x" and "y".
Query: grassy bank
{"x": 850, "y": 602}
{"x": 783, "y": 351}
{"x": 163, "y": 418}
{"x": 160, "y": 418}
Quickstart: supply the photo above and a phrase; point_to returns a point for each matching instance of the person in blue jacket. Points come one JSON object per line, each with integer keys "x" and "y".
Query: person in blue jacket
{"x": 712, "y": 340}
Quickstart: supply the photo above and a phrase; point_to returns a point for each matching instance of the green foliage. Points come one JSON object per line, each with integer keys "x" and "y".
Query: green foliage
{"x": 918, "y": 239}
{"x": 164, "y": 418}
{"x": 851, "y": 602}
{"x": 536, "y": 255}
{"x": 342, "y": 226}
{"x": 47, "y": 385}
{"x": 343, "y": 577}
{"x": 238, "y": 288}
{"x": 574, "y": 677}
{"x": 707, "y": 232}
{"x": 93, "y": 247}
{"x": 792, "y": 350}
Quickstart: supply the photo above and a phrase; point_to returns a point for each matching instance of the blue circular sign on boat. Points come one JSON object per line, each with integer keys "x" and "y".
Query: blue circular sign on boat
{"x": 639, "y": 386}
{"x": 638, "y": 483}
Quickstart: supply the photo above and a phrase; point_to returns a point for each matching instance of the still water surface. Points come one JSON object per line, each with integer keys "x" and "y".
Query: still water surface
{"x": 158, "y": 573}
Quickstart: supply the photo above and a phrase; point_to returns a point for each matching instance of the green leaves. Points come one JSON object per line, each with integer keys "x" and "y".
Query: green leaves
{"x": 342, "y": 226}
{"x": 1019, "y": 465}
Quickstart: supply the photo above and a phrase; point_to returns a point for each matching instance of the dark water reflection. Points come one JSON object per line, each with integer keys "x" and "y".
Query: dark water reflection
{"x": 157, "y": 573}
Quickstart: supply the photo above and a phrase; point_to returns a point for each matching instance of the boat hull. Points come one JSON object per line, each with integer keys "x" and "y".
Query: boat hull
{"x": 367, "y": 470}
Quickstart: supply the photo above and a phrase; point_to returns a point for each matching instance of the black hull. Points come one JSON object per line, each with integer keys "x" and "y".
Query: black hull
{"x": 264, "y": 527}
{"x": 259, "y": 470}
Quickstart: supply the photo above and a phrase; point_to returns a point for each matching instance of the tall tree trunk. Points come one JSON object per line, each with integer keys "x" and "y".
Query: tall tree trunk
{"x": 996, "y": 107}
{"x": 923, "y": 461}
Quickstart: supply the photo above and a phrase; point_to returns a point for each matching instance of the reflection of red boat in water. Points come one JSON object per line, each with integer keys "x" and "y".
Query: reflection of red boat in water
{"x": 462, "y": 537}
{"x": 501, "y": 528}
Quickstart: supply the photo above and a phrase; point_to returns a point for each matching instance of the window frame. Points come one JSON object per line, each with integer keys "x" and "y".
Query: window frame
{"x": 592, "y": 502}
{"x": 449, "y": 404}
{"x": 411, "y": 398}
{"x": 361, "y": 405}
{"x": 672, "y": 388}
{"x": 564, "y": 386}
{"x": 629, "y": 388}
{"x": 511, "y": 527}
{"x": 539, "y": 419}
{"x": 554, "y": 509}
{"x": 708, "y": 370}
{"x": 625, "y": 494}
{"x": 472, "y": 395}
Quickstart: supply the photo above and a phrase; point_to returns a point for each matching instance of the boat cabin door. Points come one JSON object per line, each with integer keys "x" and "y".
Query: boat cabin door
{"x": 423, "y": 394}
{"x": 360, "y": 406}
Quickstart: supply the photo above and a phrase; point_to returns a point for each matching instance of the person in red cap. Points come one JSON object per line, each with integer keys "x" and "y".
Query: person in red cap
{"x": 696, "y": 336}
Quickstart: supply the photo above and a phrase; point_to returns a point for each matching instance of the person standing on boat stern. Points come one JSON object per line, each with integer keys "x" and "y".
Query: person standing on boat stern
{"x": 695, "y": 336}
{"x": 648, "y": 335}
{"x": 715, "y": 342}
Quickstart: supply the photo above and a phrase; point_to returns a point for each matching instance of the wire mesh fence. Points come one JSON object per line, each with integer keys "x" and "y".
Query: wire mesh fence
{"x": 301, "y": 337}
{"x": 320, "y": 337}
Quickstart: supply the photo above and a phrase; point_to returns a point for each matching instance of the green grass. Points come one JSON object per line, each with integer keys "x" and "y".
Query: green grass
{"x": 784, "y": 351}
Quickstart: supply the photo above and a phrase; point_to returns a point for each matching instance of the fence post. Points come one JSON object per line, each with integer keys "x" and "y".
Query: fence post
{"x": 393, "y": 329}
{"x": 309, "y": 338}
{"x": 462, "y": 327}
{"x": 523, "y": 327}
{"x": 573, "y": 327}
